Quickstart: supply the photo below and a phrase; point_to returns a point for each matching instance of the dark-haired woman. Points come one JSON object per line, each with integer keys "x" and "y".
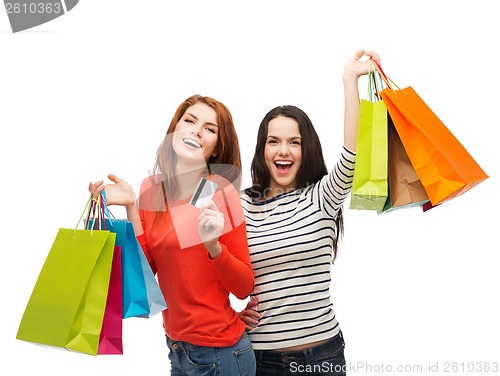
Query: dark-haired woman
{"x": 294, "y": 221}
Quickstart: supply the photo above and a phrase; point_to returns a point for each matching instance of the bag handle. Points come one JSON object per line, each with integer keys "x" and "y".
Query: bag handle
{"x": 91, "y": 207}
{"x": 375, "y": 84}
{"x": 96, "y": 214}
{"x": 97, "y": 211}
{"x": 388, "y": 82}
{"x": 107, "y": 212}
{"x": 86, "y": 209}
{"x": 369, "y": 94}
{"x": 380, "y": 83}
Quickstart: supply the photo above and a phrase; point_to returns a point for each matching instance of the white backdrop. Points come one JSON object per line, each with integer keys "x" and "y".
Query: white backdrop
{"x": 92, "y": 92}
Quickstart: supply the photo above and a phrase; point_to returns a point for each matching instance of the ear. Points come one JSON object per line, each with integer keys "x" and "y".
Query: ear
{"x": 215, "y": 153}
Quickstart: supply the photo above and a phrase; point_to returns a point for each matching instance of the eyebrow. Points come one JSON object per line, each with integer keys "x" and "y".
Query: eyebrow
{"x": 291, "y": 138}
{"x": 212, "y": 124}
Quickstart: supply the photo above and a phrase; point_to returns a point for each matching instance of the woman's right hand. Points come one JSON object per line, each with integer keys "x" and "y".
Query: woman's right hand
{"x": 119, "y": 193}
{"x": 356, "y": 67}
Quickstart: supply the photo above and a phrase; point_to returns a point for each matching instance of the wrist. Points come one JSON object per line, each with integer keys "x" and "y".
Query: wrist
{"x": 130, "y": 207}
{"x": 350, "y": 76}
{"x": 214, "y": 249}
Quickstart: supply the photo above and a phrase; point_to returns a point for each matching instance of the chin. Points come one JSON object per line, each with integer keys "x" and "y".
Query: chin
{"x": 191, "y": 154}
{"x": 285, "y": 183}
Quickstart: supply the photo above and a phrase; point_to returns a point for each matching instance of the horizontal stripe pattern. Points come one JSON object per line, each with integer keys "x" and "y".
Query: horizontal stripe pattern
{"x": 291, "y": 246}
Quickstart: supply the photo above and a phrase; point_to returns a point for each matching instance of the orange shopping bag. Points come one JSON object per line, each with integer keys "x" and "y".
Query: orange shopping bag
{"x": 443, "y": 165}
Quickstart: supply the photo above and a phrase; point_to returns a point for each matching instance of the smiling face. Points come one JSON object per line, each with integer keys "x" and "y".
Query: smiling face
{"x": 195, "y": 136}
{"x": 283, "y": 154}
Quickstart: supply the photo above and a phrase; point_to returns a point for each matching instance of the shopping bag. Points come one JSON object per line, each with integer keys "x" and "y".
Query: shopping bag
{"x": 405, "y": 188}
{"x": 443, "y": 165}
{"x": 370, "y": 181}
{"x": 135, "y": 297}
{"x": 110, "y": 340}
{"x": 156, "y": 301}
{"x": 141, "y": 293}
{"x": 67, "y": 304}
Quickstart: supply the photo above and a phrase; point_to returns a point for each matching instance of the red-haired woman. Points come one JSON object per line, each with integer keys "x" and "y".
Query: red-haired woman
{"x": 200, "y": 255}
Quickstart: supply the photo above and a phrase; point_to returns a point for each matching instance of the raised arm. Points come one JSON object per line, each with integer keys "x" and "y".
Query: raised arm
{"x": 353, "y": 69}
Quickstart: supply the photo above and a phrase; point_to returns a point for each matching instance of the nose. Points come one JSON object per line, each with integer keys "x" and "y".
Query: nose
{"x": 283, "y": 150}
{"x": 196, "y": 130}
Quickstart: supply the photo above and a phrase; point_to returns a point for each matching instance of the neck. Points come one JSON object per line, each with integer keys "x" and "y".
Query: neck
{"x": 275, "y": 191}
{"x": 187, "y": 180}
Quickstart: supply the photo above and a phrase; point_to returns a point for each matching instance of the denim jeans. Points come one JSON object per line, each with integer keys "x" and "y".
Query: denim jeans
{"x": 325, "y": 359}
{"x": 187, "y": 359}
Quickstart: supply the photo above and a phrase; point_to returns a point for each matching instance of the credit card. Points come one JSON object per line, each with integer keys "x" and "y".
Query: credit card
{"x": 203, "y": 193}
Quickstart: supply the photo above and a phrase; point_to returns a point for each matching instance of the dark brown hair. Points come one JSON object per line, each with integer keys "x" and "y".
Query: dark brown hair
{"x": 312, "y": 169}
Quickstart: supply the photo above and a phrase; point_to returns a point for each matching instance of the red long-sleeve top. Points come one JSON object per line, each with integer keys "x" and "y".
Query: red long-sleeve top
{"x": 196, "y": 288}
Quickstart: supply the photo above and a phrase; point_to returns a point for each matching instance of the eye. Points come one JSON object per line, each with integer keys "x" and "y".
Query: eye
{"x": 211, "y": 130}
{"x": 189, "y": 121}
{"x": 272, "y": 141}
{"x": 297, "y": 143}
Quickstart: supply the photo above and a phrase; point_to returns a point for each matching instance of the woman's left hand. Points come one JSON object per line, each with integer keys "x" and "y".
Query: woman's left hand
{"x": 356, "y": 67}
{"x": 210, "y": 226}
{"x": 249, "y": 315}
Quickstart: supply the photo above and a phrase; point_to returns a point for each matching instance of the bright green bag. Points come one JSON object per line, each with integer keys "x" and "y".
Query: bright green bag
{"x": 370, "y": 181}
{"x": 66, "y": 307}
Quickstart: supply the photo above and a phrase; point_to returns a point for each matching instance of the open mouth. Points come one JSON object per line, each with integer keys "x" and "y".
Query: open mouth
{"x": 193, "y": 143}
{"x": 283, "y": 166}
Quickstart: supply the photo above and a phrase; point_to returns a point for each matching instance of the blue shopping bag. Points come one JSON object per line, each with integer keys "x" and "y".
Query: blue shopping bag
{"x": 141, "y": 293}
{"x": 134, "y": 294}
{"x": 156, "y": 300}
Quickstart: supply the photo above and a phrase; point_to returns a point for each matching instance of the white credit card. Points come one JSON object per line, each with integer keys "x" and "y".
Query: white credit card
{"x": 203, "y": 193}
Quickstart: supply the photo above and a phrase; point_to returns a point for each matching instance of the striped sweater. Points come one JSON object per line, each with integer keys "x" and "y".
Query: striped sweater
{"x": 290, "y": 237}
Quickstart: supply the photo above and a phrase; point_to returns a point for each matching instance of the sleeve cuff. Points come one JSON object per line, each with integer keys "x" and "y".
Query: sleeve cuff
{"x": 349, "y": 151}
{"x": 142, "y": 240}
{"x": 221, "y": 260}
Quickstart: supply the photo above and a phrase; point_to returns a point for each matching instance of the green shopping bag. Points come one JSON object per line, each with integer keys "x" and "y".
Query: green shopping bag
{"x": 66, "y": 307}
{"x": 370, "y": 181}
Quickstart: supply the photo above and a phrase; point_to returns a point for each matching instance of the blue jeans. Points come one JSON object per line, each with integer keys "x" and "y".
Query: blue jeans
{"x": 325, "y": 359}
{"x": 187, "y": 359}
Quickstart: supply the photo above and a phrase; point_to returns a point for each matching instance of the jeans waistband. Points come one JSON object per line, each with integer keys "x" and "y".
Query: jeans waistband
{"x": 173, "y": 344}
{"x": 298, "y": 356}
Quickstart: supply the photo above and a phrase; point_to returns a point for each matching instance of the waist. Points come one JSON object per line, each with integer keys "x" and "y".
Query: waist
{"x": 302, "y": 347}
{"x": 204, "y": 328}
{"x": 189, "y": 346}
{"x": 300, "y": 354}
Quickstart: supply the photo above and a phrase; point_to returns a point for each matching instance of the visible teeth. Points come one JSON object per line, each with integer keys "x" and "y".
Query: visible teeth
{"x": 283, "y": 163}
{"x": 192, "y": 142}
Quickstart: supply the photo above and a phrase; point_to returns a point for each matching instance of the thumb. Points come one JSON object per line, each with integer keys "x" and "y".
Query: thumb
{"x": 114, "y": 178}
{"x": 359, "y": 54}
{"x": 253, "y": 302}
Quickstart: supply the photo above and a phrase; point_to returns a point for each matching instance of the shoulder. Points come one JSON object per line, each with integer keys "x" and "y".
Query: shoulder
{"x": 226, "y": 187}
{"x": 149, "y": 193}
{"x": 151, "y": 182}
{"x": 227, "y": 173}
